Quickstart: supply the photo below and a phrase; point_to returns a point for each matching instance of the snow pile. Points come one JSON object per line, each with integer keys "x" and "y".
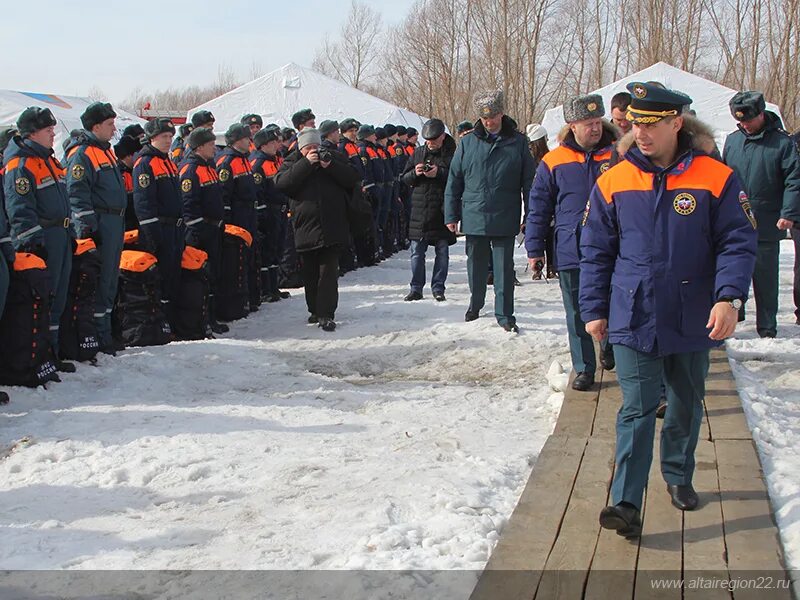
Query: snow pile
{"x": 768, "y": 377}
{"x": 401, "y": 441}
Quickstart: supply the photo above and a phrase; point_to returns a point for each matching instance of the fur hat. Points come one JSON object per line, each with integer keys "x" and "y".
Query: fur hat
{"x": 96, "y": 113}
{"x": 584, "y": 107}
{"x": 489, "y": 103}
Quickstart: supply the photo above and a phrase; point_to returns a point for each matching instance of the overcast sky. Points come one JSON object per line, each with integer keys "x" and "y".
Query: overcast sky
{"x": 67, "y": 48}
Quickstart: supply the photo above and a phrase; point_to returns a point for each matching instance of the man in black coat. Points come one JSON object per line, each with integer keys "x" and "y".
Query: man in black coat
{"x": 426, "y": 175}
{"x": 319, "y": 184}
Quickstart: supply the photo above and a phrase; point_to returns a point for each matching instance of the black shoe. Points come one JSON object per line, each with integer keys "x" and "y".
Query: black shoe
{"x": 64, "y": 366}
{"x": 4, "y": 399}
{"x": 767, "y": 334}
{"x": 471, "y": 315}
{"x": 537, "y": 275}
{"x": 274, "y": 297}
{"x": 284, "y": 295}
{"x": 583, "y": 381}
{"x": 490, "y": 279}
{"x": 551, "y": 274}
{"x": 217, "y": 327}
{"x": 412, "y": 296}
{"x": 607, "y": 358}
{"x": 111, "y": 348}
{"x": 510, "y": 327}
{"x": 683, "y": 496}
{"x": 254, "y": 307}
{"x": 623, "y": 518}
{"x": 661, "y": 410}
{"x": 439, "y": 296}
{"x": 327, "y": 324}
{"x": 313, "y": 319}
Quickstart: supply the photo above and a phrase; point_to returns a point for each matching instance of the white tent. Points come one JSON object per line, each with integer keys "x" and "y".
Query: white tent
{"x": 66, "y": 109}
{"x": 709, "y": 99}
{"x": 276, "y": 96}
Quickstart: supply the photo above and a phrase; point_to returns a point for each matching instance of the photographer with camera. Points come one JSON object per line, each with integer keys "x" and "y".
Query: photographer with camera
{"x": 319, "y": 182}
{"x": 426, "y": 175}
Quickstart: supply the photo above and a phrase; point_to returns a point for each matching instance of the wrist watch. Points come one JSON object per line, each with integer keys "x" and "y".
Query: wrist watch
{"x": 734, "y": 302}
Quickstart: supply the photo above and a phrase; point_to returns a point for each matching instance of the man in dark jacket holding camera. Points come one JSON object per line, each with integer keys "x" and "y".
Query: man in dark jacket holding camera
{"x": 426, "y": 175}
{"x": 320, "y": 182}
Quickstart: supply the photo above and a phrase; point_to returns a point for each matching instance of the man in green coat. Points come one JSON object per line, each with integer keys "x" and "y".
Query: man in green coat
{"x": 766, "y": 161}
{"x": 489, "y": 182}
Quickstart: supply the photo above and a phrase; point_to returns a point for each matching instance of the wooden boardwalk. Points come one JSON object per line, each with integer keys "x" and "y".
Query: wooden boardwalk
{"x": 553, "y": 546}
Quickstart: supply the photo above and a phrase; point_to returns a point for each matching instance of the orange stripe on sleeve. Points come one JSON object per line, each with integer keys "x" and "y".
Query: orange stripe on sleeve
{"x": 623, "y": 177}
{"x": 704, "y": 174}
{"x": 562, "y": 156}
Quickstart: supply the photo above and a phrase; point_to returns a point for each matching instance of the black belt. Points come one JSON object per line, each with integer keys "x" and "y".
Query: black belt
{"x": 47, "y": 223}
{"x": 215, "y": 222}
{"x": 117, "y": 212}
{"x": 176, "y": 221}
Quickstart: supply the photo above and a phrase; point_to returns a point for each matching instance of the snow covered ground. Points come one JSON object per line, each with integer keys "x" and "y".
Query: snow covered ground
{"x": 768, "y": 377}
{"x": 401, "y": 441}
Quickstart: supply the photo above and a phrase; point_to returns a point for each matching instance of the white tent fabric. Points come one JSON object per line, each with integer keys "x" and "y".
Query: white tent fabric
{"x": 66, "y": 109}
{"x": 709, "y": 99}
{"x": 279, "y": 94}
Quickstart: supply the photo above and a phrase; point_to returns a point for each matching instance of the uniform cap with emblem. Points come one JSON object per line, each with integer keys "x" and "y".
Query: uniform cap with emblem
{"x": 287, "y": 133}
{"x": 585, "y": 107}
{"x": 380, "y": 133}
{"x": 185, "y": 130}
{"x": 747, "y": 105}
{"x": 328, "y": 127}
{"x": 464, "y": 126}
{"x": 489, "y": 103}
{"x": 265, "y": 136}
{"x": 302, "y": 116}
{"x": 252, "y": 119}
{"x": 236, "y": 132}
{"x": 34, "y": 119}
{"x": 651, "y": 102}
{"x": 401, "y": 130}
{"x": 157, "y": 127}
{"x": 348, "y": 124}
{"x": 365, "y": 131}
{"x": 135, "y": 130}
{"x": 411, "y": 132}
{"x": 96, "y": 113}
{"x": 202, "y": 117}
{"x": 432, "y": 129}
{"x": 127, "y": 146}
{"x": 390, "y": 129}
{"x": 201, "y": 136}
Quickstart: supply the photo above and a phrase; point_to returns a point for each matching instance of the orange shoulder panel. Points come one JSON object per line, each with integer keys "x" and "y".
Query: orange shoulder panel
{"x": 623, "y": 177}
{"x": 705, "y": 173}
{"x": 206, "y": 175}
{"x": 240, "y": 166}
{"x": 12, "y": 164}
{"x": 562, "y": 156}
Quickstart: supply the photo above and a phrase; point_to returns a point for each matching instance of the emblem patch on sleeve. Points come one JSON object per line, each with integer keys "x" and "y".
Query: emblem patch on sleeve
{"x": 744, "y": 202}
{"x": 258, "y": 178}
{"x": 78, "y": 172}
{"x": 685, "y": 204}
{"x": 22, "y": 185}
{"x": 186, "y": 185}
{"x": 224, "y": 175}
{"x": 364, "y": 160}
{"x": 144, "y": 180}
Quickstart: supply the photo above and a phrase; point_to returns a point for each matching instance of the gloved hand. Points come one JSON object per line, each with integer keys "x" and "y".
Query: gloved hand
{"x": 8, "y": 252}
{"x": 96, "y": 237}
{"x": 150, "y": 237}
{"x": 36, "y": 247}
{"x": 86, "y": 226}
{"x": 192, "y": 237}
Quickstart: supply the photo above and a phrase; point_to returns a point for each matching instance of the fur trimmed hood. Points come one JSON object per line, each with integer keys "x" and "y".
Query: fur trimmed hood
{"x": 700, "y": 134}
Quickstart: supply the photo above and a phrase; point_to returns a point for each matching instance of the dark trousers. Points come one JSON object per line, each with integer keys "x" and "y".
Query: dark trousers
{"x": 208, "y": 238}
{"x": 641, "y": 377}
{"x": 110, "y": 229}
{"x": 581, "y": 346}
{"x": 502, "y": 251}
{"x": 58, "y": 243}
{"x": 320, "y": 271}
{"x": 796, "y": 239}
{"x": 765, "y": 287}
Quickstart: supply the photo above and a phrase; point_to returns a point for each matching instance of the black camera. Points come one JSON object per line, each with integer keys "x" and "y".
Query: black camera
{"x": 427, "y": 166}
{"x": 325, "y": 155}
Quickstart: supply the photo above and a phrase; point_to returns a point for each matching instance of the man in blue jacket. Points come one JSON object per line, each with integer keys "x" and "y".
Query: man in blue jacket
{"x": 98, "y": 198}
{"x": 765, "y": 159}
{"x": 667, "y": 251}
{"x": 490, "y": 179}
{"x": 564, "y": 179}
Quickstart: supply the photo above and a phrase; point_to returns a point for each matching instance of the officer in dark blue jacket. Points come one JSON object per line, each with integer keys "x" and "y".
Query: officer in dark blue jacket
{"x": 667, "y": 251}
{"x": 38, "y": 208}
{"x": 176, "y": 150}
{"x": 159, "y": 208}
{"x": 240, "y": 195}
{"x": 374, "y": 176}
{"x": 203, "y": 211}
{"x": 564, "y": 178}
{"x": 98, "y": 199}
{"x": 6, "y": 246}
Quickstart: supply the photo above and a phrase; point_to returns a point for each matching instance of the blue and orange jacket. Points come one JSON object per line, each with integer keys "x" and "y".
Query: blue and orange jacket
{"x": 564, "y": 178}
{"x": 35, "y": 191}
{"x": 264, "y": 168}
{"x": 201, "y": 191}
{"x": 661, "y": 246}
{"x": 156, "y": 191}
{"x": 350, "y": 150}
{"x": 374, "y": 173}
{"x": 399, "y": 157}
{"x": 176, "y": 150}
{"x": 5, "y": 231}
{"x": 93, "y": 177}
{"x": 239, "y": 190}
{"x": 131, "y": 222}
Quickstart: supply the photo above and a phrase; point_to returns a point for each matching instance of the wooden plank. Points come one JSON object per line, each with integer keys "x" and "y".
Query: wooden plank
{"x": 660, "y": 549}
{"x": 703, "y": 536}
{"x": 751, "y": 536}
{"x": 577, "y": 411}
{"x": 514, "y": 569}
{"x": 608, "y": 404}
{"x": 723, "y": 406}
{"x": 568, "y": 564}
